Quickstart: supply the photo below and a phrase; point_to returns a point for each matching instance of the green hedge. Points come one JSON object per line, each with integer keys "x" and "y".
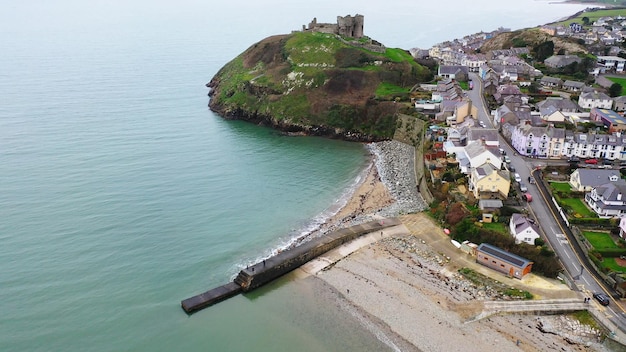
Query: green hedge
{"x": 611, "y": 252}
{"x": 591, "y": 221}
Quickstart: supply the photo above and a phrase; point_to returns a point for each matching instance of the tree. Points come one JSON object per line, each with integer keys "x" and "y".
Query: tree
{"x": 615, "y": 90}
{"x": 585, "y": 20}
{"x": 534, "y": 88}
{"x": 544, "y": 50}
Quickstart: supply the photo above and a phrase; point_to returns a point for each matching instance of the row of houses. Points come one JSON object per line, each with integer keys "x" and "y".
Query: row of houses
{"x": 553, "y": 142}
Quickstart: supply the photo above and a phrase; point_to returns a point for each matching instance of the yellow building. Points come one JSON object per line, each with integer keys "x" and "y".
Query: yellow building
{"x": 489, "y": 182}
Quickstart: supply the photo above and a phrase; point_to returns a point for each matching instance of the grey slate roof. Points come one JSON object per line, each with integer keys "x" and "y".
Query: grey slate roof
{"x": 610, "y": 190}
{"x": 490, "y": 203}
{"x": 596, "y": 177}
{"x": 477, "y": 134}
{"x": 559, "y": 103}
{"x": 522, "y": 223}
{"x": 503, "y": 255}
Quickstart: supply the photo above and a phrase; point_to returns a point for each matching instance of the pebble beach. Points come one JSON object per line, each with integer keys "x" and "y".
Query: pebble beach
{"x": 404, "y": 284}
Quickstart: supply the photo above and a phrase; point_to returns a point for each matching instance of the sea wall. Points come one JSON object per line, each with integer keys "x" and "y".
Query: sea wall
{"x": 286, "y": 261}
{"x": 282, "y": 263}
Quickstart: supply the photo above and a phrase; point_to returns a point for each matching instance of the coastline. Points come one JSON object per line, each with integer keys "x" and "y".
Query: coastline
{"x": 404, "y": 290}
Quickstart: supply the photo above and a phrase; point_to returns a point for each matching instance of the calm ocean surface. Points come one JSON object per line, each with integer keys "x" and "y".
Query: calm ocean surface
{"x": 122, "y": 194}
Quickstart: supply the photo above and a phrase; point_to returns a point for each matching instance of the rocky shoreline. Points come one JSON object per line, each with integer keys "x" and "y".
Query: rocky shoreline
{"x": 403, "y": 283}
{"x": 394, "y": 168}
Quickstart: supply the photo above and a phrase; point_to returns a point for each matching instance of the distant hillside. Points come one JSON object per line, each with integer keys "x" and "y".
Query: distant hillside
{"x": 317, "y": 83}
{"x": 531, "y": 37}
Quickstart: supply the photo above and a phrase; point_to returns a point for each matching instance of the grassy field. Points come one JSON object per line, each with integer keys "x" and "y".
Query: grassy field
{"x": 599, "y": 240}
{"x": 579, "y": 207}
{"x": 611, "y": 264}
{"x": 386, "y": 89}
{"x": 496, "y": 226}
{"x": 594, "y": 15}
{"x": 621, "y": 81}
{"x": 561, "y": 186}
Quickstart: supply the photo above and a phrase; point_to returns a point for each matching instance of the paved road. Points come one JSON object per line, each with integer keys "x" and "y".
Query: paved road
{"x": 554, "y": 232}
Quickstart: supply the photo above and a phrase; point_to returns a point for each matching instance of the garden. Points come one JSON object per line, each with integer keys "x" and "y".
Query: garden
{"x": 570, "y": 201}
{"x": 607, "y": 254}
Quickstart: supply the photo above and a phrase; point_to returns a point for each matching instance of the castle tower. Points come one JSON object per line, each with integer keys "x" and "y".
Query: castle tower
{"x": 349, "y": 26}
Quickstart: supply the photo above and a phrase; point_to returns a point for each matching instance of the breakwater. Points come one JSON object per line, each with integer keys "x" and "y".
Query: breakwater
{"x": 271, "y": 268}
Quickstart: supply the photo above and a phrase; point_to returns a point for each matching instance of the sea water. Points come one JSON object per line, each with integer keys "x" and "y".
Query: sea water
{"x": 121, "y": 194}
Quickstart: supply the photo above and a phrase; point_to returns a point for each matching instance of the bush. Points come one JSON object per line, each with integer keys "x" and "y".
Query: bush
{"x": 591, "y": 221}
{"x": 456, "y": 212}
{"x": 611, "y": 252}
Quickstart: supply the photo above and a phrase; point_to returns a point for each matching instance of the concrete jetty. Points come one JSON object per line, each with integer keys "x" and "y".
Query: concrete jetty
{"x": 269, "y": 269}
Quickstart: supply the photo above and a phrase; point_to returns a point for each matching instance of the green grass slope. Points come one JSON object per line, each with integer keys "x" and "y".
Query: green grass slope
{"x": 317, "y": 83}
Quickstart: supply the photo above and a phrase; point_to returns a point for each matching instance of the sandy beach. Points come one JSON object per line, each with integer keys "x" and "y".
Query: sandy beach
{"x": 403, "y": 284}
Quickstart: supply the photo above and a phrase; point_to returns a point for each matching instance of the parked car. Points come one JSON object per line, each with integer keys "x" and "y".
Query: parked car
{"x": 517, "y": 177}
{"x": 522, "y": 187}
{"x": 507, "y": 159}
{"x": 502, "y": 151}
{"x": 603, "y": 298}
{"x": 482, "y": 124}
{"x": 531, "y": 180}
{"x": 527, "y": 197}
{"x": 591, "y": 161}
{"x": 511, "y": 168}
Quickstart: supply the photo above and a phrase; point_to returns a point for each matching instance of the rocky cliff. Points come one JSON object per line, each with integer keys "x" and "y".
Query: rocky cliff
{"x": 317, "y": 84}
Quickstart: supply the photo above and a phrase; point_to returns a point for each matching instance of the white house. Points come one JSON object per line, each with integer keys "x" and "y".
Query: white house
{"x": 478, "y": 154}
{"x": 540, "y": 142}
{"x": 609, "y": 199}
{"x": 590, "y": 100}
{"x": 611, "y": 63}
{"x": 582, "y": 145}
{"x": 551, "y": 114}
{"x": 523, "y": 229}
{"x": 585, "y": 180}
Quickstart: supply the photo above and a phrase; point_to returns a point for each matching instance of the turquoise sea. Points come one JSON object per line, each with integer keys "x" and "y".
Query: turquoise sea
{"x": 121, "y": 193}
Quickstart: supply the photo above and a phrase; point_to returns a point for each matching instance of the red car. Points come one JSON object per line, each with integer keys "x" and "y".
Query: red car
{"x": 591, "y": 161}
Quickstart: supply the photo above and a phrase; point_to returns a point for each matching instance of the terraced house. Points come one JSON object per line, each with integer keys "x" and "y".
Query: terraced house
{"x": 589, "y": 145}
{"x": 538, "y": 142}
{"x": 550, "y": 142}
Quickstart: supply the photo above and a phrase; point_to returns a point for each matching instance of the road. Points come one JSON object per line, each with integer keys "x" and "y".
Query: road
{"x": 554, "y": 230}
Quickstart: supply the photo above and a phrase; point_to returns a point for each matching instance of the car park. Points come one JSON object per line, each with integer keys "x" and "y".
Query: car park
{"x": 602, "y": 298}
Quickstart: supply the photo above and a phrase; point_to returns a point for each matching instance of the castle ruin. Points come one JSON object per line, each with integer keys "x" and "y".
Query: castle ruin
{"x": 348, "y": 26}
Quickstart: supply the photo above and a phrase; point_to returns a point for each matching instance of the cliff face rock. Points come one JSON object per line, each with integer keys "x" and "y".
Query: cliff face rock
{"x": 531, "y": 37}
{"x": 317, "y": 84}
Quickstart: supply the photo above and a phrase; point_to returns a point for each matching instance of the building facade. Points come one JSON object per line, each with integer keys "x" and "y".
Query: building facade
{"x": 503, "y": 261}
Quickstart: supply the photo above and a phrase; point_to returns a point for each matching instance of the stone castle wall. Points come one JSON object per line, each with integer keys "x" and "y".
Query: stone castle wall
{"x": 348, "y": 26}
